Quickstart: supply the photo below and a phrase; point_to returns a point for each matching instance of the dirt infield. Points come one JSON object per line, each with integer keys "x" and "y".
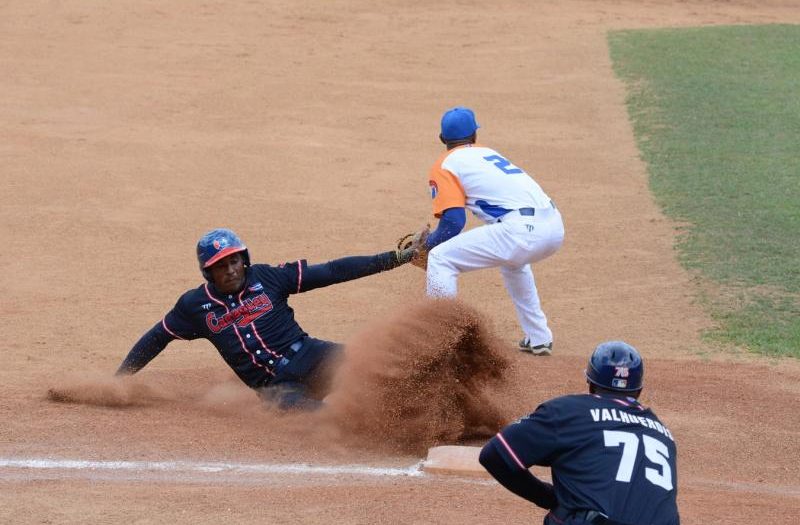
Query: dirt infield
{"x": 127, "y": 129}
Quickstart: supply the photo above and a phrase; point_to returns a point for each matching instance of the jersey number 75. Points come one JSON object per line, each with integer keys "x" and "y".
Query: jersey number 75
{"x": 654, "y": 450}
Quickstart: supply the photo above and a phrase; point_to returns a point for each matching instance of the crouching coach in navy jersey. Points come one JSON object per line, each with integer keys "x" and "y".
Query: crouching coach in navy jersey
{"x": 244, "y": 311}
{"x": 612, "y": 460}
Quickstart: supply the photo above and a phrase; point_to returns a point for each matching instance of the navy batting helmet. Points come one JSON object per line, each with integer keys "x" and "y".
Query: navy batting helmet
{"x": 218, "y": 244}
{"x": 615, "y": 365}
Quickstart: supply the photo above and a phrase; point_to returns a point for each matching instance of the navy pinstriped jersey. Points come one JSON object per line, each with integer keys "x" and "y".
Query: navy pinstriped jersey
{"x": 607, "y": 453}
{"x": 250, "y": 329}
{"x": 253, "y": 328}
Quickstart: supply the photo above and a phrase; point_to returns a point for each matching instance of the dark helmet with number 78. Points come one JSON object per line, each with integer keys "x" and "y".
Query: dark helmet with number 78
{"x": 616, "y": 365}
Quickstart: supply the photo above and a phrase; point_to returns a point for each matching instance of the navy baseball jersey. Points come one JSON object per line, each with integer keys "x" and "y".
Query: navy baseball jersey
{"x": 253, "y": 328}
{"x": 607, "y": 453}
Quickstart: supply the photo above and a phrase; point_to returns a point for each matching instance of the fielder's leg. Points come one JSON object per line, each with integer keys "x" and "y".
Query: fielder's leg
{"x": 521, "y": 286}
{"x": 472, "y": 250}
{"x": 537, "y": 238}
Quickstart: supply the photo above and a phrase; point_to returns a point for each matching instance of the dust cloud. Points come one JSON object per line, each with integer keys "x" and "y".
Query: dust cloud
{"x": 108, "y": 391}
{"x": 209, "y": 392}
{"x": 421, "y": 377}
{"x": 430, "y": 374}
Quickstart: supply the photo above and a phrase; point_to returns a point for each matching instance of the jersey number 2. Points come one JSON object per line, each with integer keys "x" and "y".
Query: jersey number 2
{"x": 503, "y": 164}
{"x": 656, "y": 451}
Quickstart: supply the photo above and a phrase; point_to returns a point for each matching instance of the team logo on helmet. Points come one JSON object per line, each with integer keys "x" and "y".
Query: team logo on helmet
{"x": 220, "y": 243}
{"x": 620, "y": 372}
{"x": 616, "y": 365}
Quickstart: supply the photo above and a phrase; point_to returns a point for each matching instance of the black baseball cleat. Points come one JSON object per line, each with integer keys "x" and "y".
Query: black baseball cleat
{"x": 543, "y": 350}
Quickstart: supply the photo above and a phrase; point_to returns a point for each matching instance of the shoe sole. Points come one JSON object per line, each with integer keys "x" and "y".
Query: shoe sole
{"x": 542, "y": 352}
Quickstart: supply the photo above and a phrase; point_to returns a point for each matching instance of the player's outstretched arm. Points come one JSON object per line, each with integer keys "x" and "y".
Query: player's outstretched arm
{"x": 519, "y": 481}
{"x": 150, "y": 345}
{"x": 351, "y": 268}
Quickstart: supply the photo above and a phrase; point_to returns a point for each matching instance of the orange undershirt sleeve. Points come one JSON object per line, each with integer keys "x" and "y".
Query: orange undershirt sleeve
{"x": 446, "y": 191}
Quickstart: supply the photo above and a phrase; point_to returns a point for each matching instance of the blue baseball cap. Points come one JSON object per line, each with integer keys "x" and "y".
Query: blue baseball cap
{"x": 458, "y": 123}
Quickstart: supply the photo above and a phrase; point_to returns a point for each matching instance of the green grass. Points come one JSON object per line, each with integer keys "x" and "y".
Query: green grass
{"x": 716, "y": 113}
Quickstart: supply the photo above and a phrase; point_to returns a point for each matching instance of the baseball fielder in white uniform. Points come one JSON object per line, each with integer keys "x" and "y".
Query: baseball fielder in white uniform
{"x": 522, "y": 226}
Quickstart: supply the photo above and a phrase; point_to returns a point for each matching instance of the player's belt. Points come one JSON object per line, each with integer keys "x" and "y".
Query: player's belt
{"x": 284, "y": 359}
{"x": 289, "y": 353}
{"x": 588, "y": 517}
{"x": 593, "y": 517}
{"x": 528, "y": 212}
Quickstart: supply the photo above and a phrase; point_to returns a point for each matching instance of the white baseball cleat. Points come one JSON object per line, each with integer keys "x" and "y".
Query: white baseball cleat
{"x": 543, "y": 350}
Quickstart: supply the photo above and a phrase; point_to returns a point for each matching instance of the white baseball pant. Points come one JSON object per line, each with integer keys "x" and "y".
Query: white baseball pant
{"x": 512, "y": 244}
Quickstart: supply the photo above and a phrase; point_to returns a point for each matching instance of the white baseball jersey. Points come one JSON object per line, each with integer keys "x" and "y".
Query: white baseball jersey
{"x": 484, "y": 182}
{"x": 491, "y": 187}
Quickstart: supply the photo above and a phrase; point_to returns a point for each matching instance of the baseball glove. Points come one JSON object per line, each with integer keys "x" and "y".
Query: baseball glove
{"x": 411, "y": 247}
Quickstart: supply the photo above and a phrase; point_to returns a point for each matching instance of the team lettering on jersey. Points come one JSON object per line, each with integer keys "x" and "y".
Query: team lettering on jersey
{"x": 611, "y": 414}
{"x": 249, "y": 311}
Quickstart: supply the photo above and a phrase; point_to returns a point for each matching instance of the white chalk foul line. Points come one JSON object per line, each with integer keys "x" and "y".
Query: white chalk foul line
{"x": 213, "y": 467}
